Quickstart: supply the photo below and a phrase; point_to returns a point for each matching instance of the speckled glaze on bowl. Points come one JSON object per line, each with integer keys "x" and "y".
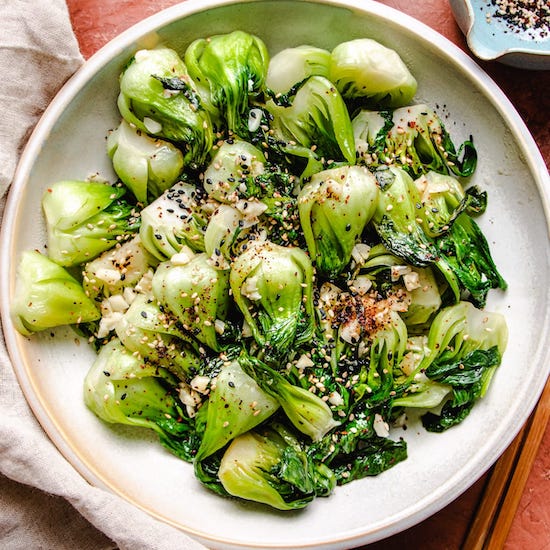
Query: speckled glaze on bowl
{"x": 69, "y": 142}
{"x": 491, "y": 39}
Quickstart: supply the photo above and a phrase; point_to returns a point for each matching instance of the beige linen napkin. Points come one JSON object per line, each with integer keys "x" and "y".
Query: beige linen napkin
{"x": 38, "y": 52}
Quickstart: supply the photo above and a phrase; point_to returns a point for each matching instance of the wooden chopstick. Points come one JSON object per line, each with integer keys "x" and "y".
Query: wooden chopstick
{"x": 492, "y": 495}
{"x": 502, "y": 494}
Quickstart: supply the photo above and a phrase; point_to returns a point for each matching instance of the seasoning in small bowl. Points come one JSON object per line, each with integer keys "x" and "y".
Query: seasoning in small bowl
{"x": 514, "y": 32}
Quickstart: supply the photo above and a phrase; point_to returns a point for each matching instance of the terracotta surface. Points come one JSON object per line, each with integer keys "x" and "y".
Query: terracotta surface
{"x": 97, "y": 21}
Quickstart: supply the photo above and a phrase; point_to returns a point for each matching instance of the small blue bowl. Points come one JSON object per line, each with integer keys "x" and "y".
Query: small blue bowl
{"x": 492, "y": 38}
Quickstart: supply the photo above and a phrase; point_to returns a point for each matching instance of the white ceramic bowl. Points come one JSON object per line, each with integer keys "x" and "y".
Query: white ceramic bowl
{"x": 69, "y": 142}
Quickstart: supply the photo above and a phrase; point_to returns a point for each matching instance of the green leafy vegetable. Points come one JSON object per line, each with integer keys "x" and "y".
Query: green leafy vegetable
{"x": 463, "y": 349}
{"x": 230, "y": 71}
{"x": 365, "y": 70}
{"x": 173, "y": 221}
{"x": 117, "y": 269}
{"x": 464, "y": 249}
{"x": 413, "y": 137}
{"x": 425, "y": 297}
{"x": 121, "y": 388}
{"x": 158, "y": 97}
{"x": 196, "y": 293}
{"x": 459, "y": 249}
{"x": 231, "y": 165}
{"x": 145, "y": 165}
{"x": 355, "y": 450}
{"x": 444, "y": 199}
{"x": 227, "y": 228}
{"x": 396, "y": 218}
{"x": 335, "y": 206}
{"x": 386, "y": 350}
{"x": 291, "y": 66}
{"x": 47, "y": 296}
{"x": 272, "y": 286}
{"x": 270, "y": 466}
{"x": 388, "y": 272}
{"x": 317, "y": 117}
{"x": 84, "y": 219}
{"x": 299, "y": 281}
{"x": 155, "y": 336}
{"x": 469, "y": 378}
{"x": 308, "y": 413}
{"x": 236, "y": 405}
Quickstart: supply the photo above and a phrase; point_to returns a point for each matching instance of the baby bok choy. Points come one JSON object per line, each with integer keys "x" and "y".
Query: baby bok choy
{"x": 287, "y": 272}
{"x": 155, "y": 336}
{"x": 368, "y": 73}
{"x": 307, "y": 412}
{"x": 461, "y": 253}
{"x": 121, "y": 388}
{"x": 397, "y": 216}
{"x": 289, "y": 67}
{"x": 444, "y": 199}
{"x": 230, "y": 71}
{"x": 463, "y": 349}
{"x": 236, "y": 405}
{"x": 360, "y": 447}
{"x": 174, "y": 221}
{"x": 270, "y": 465}
{"x": 147, "y": 166}
{"x": 159, "y": 98}
{"x": 418, "y": 285}
{"x": 86, "y": 218}
{"x": 230, "y": 168}
{"x": 47, "y": 296}
{"x": 465, "y": 257}
{"x": 413, "y": 137}
{"x": 386, "y": 347}
{"x": 117, "y": 270}
{"x": 196, "y": 293}
{"x": 335, "y": 206}
{"x": 272, "y": 286}
{"x": 315, "y": 117}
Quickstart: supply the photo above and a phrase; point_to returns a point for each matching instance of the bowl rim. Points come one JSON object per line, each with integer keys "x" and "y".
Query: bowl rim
{"x": 452, "y": 53}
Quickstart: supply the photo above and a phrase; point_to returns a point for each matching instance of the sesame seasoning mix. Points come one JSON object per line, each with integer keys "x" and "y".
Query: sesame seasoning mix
{"x": 530, "y": 18}
{"x": 287, "y": 264}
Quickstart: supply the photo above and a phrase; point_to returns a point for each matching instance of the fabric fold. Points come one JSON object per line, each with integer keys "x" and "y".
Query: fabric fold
{"x": 38, "y": 53}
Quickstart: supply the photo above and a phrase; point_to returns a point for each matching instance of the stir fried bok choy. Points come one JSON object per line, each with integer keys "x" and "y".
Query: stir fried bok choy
{"x": 290, "y": 258}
